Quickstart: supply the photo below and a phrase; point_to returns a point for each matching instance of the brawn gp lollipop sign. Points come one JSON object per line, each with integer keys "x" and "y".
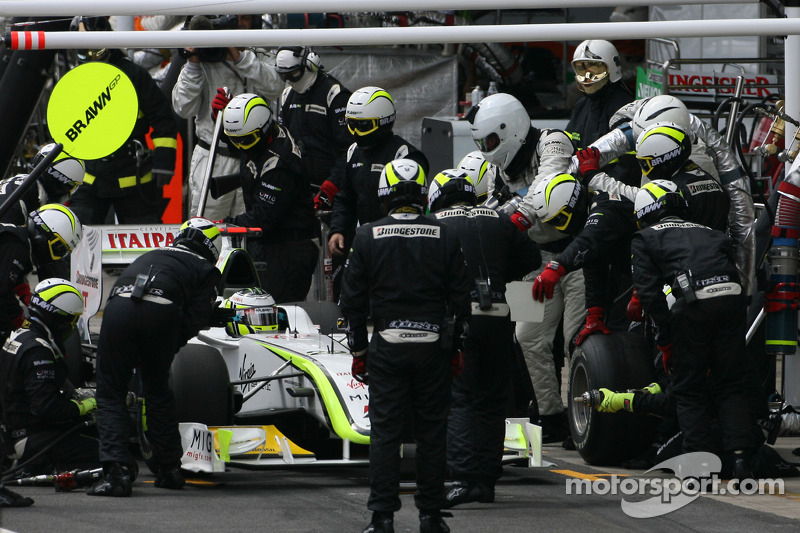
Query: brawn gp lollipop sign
{"x": 92, "y": 110}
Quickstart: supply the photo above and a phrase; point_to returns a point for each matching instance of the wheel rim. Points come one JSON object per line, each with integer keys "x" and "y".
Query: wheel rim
{"x": 580, "y": 412}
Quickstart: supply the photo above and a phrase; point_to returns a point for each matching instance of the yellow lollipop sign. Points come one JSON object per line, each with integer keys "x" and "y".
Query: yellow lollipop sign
{"x": 92, "y": 110}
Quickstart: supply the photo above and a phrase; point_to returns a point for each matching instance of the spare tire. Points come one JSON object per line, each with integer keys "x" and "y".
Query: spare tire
{"x": 202, "y": 386}
{"x": 619, "y": 362}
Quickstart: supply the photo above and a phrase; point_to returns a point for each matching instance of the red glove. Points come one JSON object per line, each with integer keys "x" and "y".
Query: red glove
{"x": 220, "y": 101}
{"x": 18, "y": 320}
{"x": 324, "y": 198}
{"x": 588, "y": 160}
{"x": 359, "y": 368}
{"x": 457, "y": 363}
{"x": 23, "y": 292}
{"x": 594, "y": 323}
{"x": 545, "y": 283}
{"x": 521, "y": 221}
{"x": 666, "y": 356}
{"x": 634, "y": 310}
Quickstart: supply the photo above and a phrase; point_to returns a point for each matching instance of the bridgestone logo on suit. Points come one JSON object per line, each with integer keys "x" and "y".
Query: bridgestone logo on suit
{"x": 405, "y": 230}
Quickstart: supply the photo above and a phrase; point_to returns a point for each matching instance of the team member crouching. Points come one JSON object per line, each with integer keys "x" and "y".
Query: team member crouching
{"x": 702, "y": 336}
{"x": 33, "y": 375}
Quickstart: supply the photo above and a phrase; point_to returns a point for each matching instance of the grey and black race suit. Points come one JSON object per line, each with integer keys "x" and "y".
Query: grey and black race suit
{"x": 496, "y": 252}
{"x": 253, "y": 72}
{"x": 408, "y": 269}
{"x": 712, "y": 373}
{"x": 545, "y": 153}
{"x": 36, "y": 412}
{"x": 602, "y": 250}
{"x": 177, "y": 303}
{"x": 713, "y": 154}
{"x": 277, "y": 200}
{"x": 315, "y": 119}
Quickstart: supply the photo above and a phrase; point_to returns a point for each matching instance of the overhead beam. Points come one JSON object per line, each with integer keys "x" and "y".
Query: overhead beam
{"x": 398, "y": 35}
{"x": 13, "y": 8}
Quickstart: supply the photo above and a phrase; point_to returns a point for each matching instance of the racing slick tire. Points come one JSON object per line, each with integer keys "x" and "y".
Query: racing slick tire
{"x": 619, "y": 361}
{"x": 201, "y": 385}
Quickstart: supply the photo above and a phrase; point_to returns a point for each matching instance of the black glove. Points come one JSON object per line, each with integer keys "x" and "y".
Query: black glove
{"x": 460, "y": 335}
{"x": 357, "y": 339}
{"x": 503, "y": 195}
{"x": 163, "y": 177}
{"x": 220, "y": 316}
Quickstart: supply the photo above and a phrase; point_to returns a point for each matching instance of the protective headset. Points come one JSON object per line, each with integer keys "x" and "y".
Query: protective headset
{"x": 308, "y": 58}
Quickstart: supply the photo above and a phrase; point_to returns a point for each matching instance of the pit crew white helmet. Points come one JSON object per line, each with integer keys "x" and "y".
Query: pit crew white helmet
{"x": 561, "y": 201}
{"x": 58, "y": 304}
{"x": 480, "y": 171}
{"x": 255, "y": 311}
{"x": 450, "y": 186}
{"x": 55, "y": 232}
{"x": 202, "y": 236}
{"x": 499, "y": 127}
{"x": 292, "y": 61}
{"x": 591, "y": 54}
{"x": 246, "y": 119}
{"x": 369, "y": 110}
{"x": 402, "y": 184}
{"x": 63, "y": 175}
{"x": 658, "y": 199}
{"x": 661, "y": 108}
{"x": 297, "y": 65}
{"x": 662, "y": 149}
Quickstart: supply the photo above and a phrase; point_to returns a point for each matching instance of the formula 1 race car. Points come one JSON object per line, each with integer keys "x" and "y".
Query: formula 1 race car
{"x": 266, "y": 397}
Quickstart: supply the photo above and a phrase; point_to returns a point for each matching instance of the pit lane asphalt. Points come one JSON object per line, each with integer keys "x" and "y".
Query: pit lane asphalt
{"x": 333, "y": 499}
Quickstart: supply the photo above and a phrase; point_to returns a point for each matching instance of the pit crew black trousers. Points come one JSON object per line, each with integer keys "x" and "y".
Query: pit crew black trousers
{"x": 407, "y": 381}
{"x": 713, "y": 375}
{"x": 78, "y": 450}
{"x": 143, "y": 335}
{"x": 476, "y": 425}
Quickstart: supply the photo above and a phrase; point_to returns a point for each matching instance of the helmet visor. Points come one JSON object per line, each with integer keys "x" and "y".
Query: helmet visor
{"x": 488, "y": 143}
{"x": 58, "y": 247}
{"x": 590, "y": 71}
{"x": 248, "y": 140}
{"x": 560, "y": 220}
{"x": 645, "y": 163}
{"x": 362, "y": 126}
{"x": 265, "y": 317}
{"x": 292, "y": 75}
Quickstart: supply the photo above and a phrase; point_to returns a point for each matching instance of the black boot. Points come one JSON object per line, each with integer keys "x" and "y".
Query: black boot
{"x": 170, "y": 478}
{"x": 381, "y": 523}
{"x": 466, "y": 492}
{"x": 431, "y": 522}
{"x": 116, "y": 481}
{"x": 555, "y": 428}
